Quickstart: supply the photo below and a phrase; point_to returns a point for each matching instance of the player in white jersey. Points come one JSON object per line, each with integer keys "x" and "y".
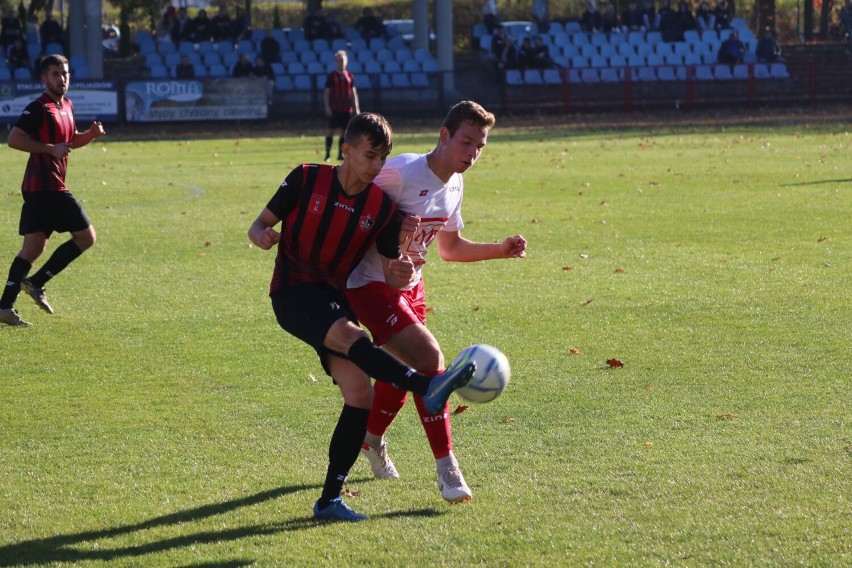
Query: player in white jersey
{"x": 431, "y": 187}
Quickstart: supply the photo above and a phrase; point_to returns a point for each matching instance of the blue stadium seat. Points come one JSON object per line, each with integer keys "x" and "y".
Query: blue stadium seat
{"x": 54, "y": 48}
{"x": 400, "y": 80}
{"x": 589, "y": 50}
{"x": 740, "y": 71}
{"x": 590, "y": 76}
{"x": 284, "y": 83}
{"x": 200, "y": 70}
{"x": 211, "y": 58}
{"x": 579, "y": 62}
{"x": 610, "y": 75}
{"x": 722, "y": 73}
{"x": 363, "y": 82}
{"x": 666, "y": 73}
{"x": 217, "y": 70}
{"x": 5, "y": 75}
{"x": 230, "y": 59}
{"x": 165, "y": 47}
{"x": 551, "y": 77}
{"x": 373, "y": 67}
{"x": 419, "y": 79}
{"x": 391, "y": 67}
{"x": 302, "y": 82}
{"x": 514, "y": 77}
{"x": 224, "y": 47}
{"x": 533, "y": 77}
{"x": 645, "y": 74}
{"x": 159, "y": 72}
{"x": 355, "y": 67}
{"x": 704, "y": 73}
{"x": 296, "y": 68}
{"x": 779, "y": 71}
{"x": 598, "y": 62}
{"x": 316, "y": 68}
{"x": 607, "y": 50}
{"x": 153, "y": 59}
{"x": 411, "y": 66}
{"x": 308, "y": 57}
{"x": 172, "y": 59}
{"x": 761, "y": 71}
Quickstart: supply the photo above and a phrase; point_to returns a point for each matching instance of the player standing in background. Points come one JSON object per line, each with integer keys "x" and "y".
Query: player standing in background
{"x": 341, "y": 102}
{"x": 46, "y": 130}
{"x": 431, "y": 187}
{"x": 331, "y": 217}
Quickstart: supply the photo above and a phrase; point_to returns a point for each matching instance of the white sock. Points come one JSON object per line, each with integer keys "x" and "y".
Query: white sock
{"x": 373, "y": 440}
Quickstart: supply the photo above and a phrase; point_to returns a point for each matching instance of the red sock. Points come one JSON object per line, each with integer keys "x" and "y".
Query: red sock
{"x": 437, "y": 427}
{"x": 387, "y": 403}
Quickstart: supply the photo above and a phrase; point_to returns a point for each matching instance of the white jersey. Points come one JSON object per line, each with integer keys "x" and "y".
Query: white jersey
{"x": 416, "y": 190}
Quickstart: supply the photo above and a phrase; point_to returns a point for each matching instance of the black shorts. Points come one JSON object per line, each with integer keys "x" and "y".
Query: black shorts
{"x": 307, "y": 311}
{"x": 49, "y": 211}
{"x": 339, "y": 119}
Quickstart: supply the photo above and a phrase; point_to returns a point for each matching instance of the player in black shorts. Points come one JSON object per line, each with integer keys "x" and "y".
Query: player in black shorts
{"x": 341, "y": 101}
{"x": 330, "y": 216}
{"x": 47, "y": 131}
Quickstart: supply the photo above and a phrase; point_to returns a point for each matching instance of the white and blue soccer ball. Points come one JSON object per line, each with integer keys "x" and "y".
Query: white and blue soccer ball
{"x": 491, "y": 376}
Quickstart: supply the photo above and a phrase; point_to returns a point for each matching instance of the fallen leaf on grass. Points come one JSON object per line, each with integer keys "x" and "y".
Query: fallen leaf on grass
{"x": 619, "y": 270}
{"x": 476, "y": 308}
{"x": 649, "y": 443}
{"x": 575, "y": 351}
{"x": 614, "y": 363}
{"x": 460, "y": 408}
{"x": 508, "y": 420}
{"x": 649, "y": 387}
{"x": 208, "y": 244}
{"x": 567, "y": 268}
{"x": 726, "y": 416}
{"x": 822, "y": 239}
{"x": 587, "y": 302}
{"x": 349, "y": 493}
{"x": 313, "y": 378}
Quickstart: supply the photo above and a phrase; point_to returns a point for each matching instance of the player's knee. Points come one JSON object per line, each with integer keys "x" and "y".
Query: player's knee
{"x": 85, "y": 239}
{"x": 361, "y": 397}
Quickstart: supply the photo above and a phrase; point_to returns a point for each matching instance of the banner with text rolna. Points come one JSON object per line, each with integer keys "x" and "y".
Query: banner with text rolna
{"x": 196, "y": 99}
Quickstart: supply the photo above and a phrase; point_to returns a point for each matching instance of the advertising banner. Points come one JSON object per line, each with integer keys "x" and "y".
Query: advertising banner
{"x": 93, "y": 100}
{"x": 196, "y": 99}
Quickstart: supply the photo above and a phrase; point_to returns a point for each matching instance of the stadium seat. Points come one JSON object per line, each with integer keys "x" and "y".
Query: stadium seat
{"x": 691, "y": 37}
{"x": 391, "y": 66}
{"x": 206, "y": 47}
{"x": 159, "y": 72}
{"x": 54, "y": 48}
{"x": 607, "y": 50}
{"x": 692, "y": 59}
{"x": 579, "y": 62}
{"x": 590, "y": 76}
{"x": 383, "y": 55}
{"x": 430, "y": 65}
{"x": 211, "y": 58}
{"x": 308, "y": 57}
{"x": 376, "y": 44}
{"x": 610, "y": 75}
{"x": 355, "y": 67}
{"x": 704, "y": 73}
{"x": 533, "y": 77}
{"x": 598, "y": 62}
{"x": 552, "y": 77}
{"x": 302, "y": 82}
{"x": 172, "y": 59}
{"x": 779, "y": 71}
{"x": 653, "y": 37}
{"x": 200, "y": 70}
{"x": 400, "y": 80}
{"x": 373, "y": 67}
{"x": 626, "y": 49}
{"x": 740, "y": 71}
{"x": 245, "y": 46}
{"x": 617, "y": 38}
{"x": 4, "y": 74}
{"x": 618, "y": 61}
{"x": 363, "y": 82}
{"x": 653, "y": 60}
{"x": 599, "y": 38}
{"x": 217, "y": 70}
{"x": 645, "y": 74}
{"x": 635, "y": 61}
{"x": 579, "y": 38}
{"x": 572, "y": 27}
{"x": 230, "y": 59}
{"x": 153, "y": 59}
{"x": 514, "y": 77}
{"x": 316, "y": 68}
{"x": 761, "y": 71}
{"x": 636, "y": 37}
{"x": 666, "y": 73}
{"x": 672, "y": 58}
{"x": 319, "y": 45}
{"x": 588, "y": 50}
{"x": 411, "y": 66}
{"x": 722, "y": 73}
{"x": 224, "y": 47}
{"x": 419, "y": 79}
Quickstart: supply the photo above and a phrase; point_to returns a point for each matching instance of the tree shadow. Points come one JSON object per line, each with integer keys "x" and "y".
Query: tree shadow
{"x": 817, "y": 182}
{"x": 60, "y": 548}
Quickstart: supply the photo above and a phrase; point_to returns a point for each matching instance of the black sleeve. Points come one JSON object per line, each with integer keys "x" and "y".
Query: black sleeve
{"x": 287, "y": 196}
{"x": 388, "y": 241}
{"x": 31, "y": 118}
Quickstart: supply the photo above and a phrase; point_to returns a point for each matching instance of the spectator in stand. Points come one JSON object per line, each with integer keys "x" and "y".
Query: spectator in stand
{"x": 649, "y": 15}
{"x": 768, "y": 50}
{"x": 683, "y": 21}
{"x": 541, "y": 54}
{"x": 18, "y": 55}
{"x": 240, "y": 25}
{"x": 489, "y": 16}
{"x": 591, "y": 20}
{"x": 333, "y": 29}
{"x": 846, "y": 21}
{"x": 243, "y": 67}
{"x": 704, "y": 18}
{"x": 12, "y": 29}
{"x": 540, "y": 12}
{"x": 723, "y": 14}
{"x": 504, "y": 50}
{"x": 314, "y": 25}
{"x": 732, "y": 50}
{"x": 631, "y": 19}
{"x": 525, "y": 53}
{"x": 50, "y": 31}
{"x": 262, "y": 68}
{"x": 221, "y": 25}
{"x": 270, "y": 49}
{"x": 666, "y": 18}
{"x": 203, "y": 28}
{"x": 184, "y": 69}
{"x": 609, "y": 19}
{"x": 369, "y": 25}
{"x": 163, "y": 31}
{"x": 182, "y": 27}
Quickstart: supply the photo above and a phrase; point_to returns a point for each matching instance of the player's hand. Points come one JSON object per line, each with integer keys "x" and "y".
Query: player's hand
{"x": 514, "y": 247}
{"x": 402, "y": 268}
{"x": 97, "y": 129}
{"x": 268, "y": 238}
{"x": 59, "y": 150}
{"x": 410, "y": 224}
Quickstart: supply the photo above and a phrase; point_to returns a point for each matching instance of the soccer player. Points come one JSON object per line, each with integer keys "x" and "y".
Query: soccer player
{"x": 331, "y": 217}
{"x": 341, "y": 101}
{"x": 431, "y": 187}
{"x": 46, "y": 130}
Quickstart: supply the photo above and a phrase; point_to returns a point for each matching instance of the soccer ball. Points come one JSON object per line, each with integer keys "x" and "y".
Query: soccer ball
{"x": 491, "y": 376}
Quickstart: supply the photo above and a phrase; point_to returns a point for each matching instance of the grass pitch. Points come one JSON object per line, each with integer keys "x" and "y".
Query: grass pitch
{"x": 162, "y": 418}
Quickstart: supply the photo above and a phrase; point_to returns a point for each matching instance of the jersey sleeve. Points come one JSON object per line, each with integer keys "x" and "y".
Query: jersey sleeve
{"x": 31, "y": 119}
{"x": 387, "y": 242}
{"x": 287, "y": 196}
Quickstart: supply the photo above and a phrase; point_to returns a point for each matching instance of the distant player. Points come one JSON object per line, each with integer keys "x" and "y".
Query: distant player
{"x": 340, "y": 98}
{"x": 431, "y": 187}
{"x": 47, "y": 131}
{"x": 331, "y": 216}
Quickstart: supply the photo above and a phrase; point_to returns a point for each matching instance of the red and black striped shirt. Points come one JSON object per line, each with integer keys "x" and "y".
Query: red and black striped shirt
{"x": 49, "y": 122}
{"x": 325, "y": 232}
{"x": 340, "y": 87}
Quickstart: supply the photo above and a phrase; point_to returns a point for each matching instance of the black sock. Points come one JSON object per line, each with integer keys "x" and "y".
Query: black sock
{"x": 61, "y": 257}
{"x": 383, "y": 366}
{"x": 328, "y": 141}
{"x": 343, "y": 450}
{"x": 17, "y": 272}
{"x": 340, "y": 148}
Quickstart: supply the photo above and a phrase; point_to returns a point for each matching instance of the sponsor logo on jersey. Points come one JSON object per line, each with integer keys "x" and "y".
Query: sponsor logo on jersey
{"x": 317, "y": 203}
{"x": 366, "y": 222}
{"x": 344, "y": 206}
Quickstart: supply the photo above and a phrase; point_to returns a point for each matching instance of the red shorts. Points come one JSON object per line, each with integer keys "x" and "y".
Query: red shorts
{"x": 385, "y": 311}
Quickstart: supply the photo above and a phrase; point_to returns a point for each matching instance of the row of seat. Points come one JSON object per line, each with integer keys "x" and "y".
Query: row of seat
{"x": 362, "y": 82}
{"x": 665, "y": 73}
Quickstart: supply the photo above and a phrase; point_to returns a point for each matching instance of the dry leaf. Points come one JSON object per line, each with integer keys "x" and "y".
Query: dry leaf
{"x": 313, "y": 378}
{"x": 208, "y": 244}
{"x": 649, "y": 387}
{"x": 587, "y": 302}
{"x": 614, "y": 363}
{"x": 508, "y": 420}
{"x": 476, "y": 308}
{"x": 567, "y": 268}
{"x": 575, "y": 351}
{"x": 649, "y": 443}
{"x": 822, "y": 239}
{"x": 460, "y": 408}
{"x": 619, "y": 270}
{"x": 726, "y": 416}
{"x": 349, "y": 493}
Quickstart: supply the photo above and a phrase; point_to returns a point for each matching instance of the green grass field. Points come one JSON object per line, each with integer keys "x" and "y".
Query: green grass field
{"x": 162, "y": 418}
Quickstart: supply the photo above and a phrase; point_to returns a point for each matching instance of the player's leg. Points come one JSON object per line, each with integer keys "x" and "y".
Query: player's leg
{"x": 329, "y": 136}
{"x": 346, "y": 440}
{"x": 340, "y": 144}
{"x": 35, "y": 243}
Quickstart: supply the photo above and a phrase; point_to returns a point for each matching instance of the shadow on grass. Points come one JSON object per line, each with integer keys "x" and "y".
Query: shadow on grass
{"x": 818, "y": 182}
{"x": 61, "y": 548}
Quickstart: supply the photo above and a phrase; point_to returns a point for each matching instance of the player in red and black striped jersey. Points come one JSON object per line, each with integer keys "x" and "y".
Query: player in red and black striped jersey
{"x": 341, "y": 101}
{"x": 46, "y": 129}
{"x": 330, "y": 218}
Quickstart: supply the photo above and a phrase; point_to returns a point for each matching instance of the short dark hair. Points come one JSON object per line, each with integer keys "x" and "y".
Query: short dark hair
{"x": 51, "y": 60}
{"x": 468, "y": 111}
{"x": 374, "y": 127}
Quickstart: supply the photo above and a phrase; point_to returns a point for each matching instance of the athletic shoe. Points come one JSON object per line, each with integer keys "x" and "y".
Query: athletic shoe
{"x": 451, "y": 483}
{"x": 37, "y": 294}
{"x": 337, "y": 510}
{"x": 441, "y": 386}
{"x": 380, "y": 461}
{"x": 10, "y": 316}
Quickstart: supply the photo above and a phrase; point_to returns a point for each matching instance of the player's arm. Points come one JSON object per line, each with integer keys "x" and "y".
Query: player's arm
{"x": 80, "y": 139}
{"x": 355, "y": 104}
{"x": 398, "y": 269}
{"x": 455, "y": 248}
{"x": 20, "y": 140}
{"x": 262, "y": 233}
{"x": 326, "y": 101}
